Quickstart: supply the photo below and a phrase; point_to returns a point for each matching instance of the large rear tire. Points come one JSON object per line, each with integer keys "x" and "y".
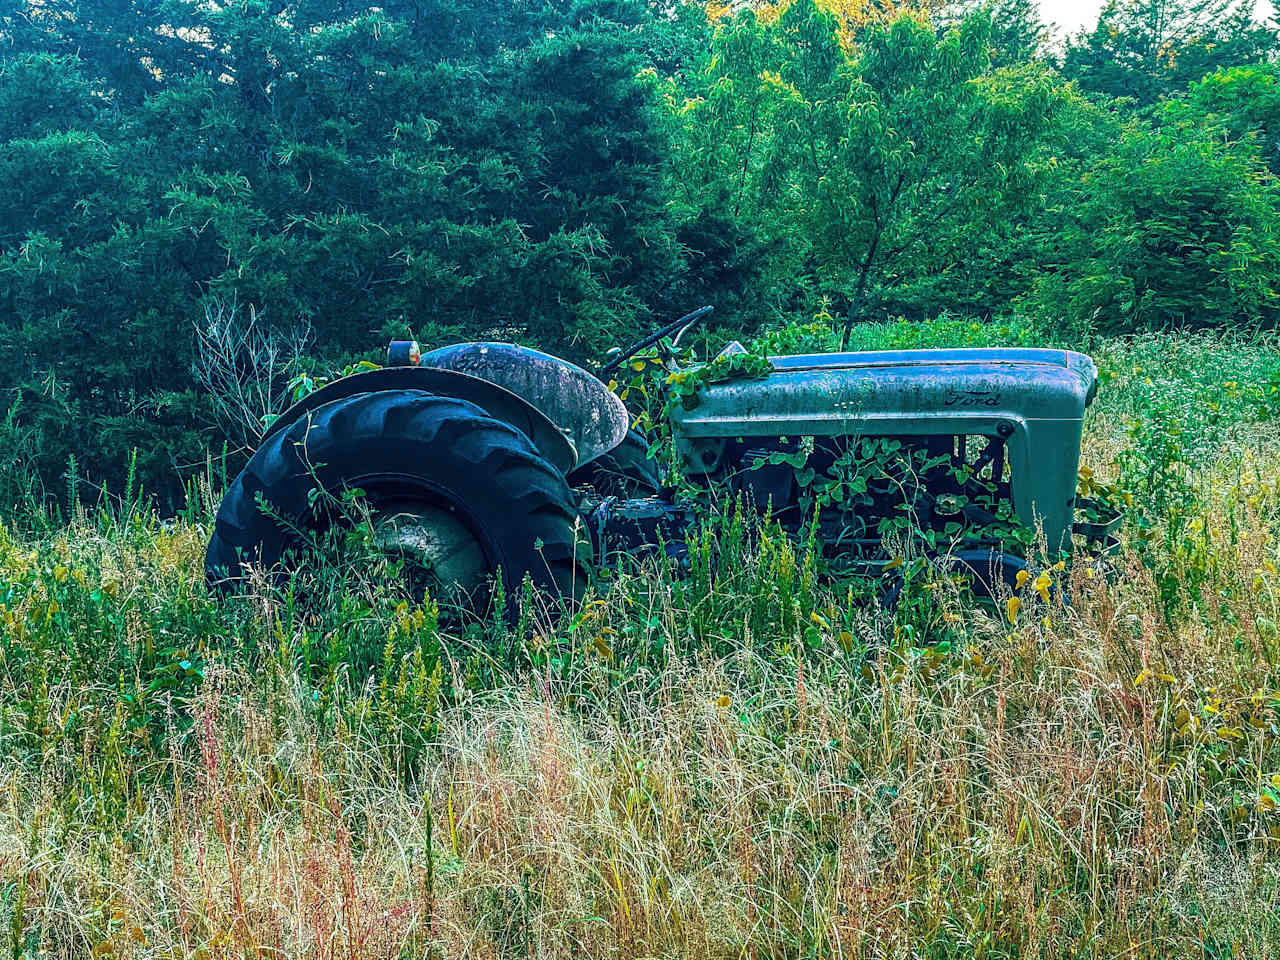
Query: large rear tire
{"x": 413, "y": 454}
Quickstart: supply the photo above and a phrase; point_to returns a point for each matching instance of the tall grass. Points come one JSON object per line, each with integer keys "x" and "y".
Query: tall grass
{"x": 734, "y": 762}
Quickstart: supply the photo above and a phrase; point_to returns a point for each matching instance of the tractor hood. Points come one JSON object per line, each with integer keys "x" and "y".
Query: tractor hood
{"x": 886, "y": 391}
{"x": 1032, "y": 401}
{"x": 998, "y": 361}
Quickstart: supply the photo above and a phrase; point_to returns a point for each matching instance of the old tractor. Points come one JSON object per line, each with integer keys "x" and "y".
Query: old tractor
{"x": 489, "y": 460}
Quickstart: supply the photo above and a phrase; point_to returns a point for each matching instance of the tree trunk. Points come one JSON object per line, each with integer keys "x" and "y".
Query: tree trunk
{"x": 859, "y": 301}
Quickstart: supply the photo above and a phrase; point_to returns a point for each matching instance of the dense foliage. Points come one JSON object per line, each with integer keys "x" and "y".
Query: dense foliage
{"x": 441, "y": 170}
{"x": 568, "y": 173}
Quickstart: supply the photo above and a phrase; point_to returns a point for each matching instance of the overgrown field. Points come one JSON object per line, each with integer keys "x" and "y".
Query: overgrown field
{"x": 738, "y": 762}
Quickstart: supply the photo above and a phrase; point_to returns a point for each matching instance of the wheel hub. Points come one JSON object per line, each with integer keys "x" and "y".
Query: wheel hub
{"x": 438, "y": 548}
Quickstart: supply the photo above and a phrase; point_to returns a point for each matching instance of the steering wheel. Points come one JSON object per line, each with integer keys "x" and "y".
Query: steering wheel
{"x": 678, "y": 327}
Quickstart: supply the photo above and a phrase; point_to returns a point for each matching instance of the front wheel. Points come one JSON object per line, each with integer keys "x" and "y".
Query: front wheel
{"x": 626, "y": 472}
{"x": 992, "y": 573}
{"x": 453, "y": 491}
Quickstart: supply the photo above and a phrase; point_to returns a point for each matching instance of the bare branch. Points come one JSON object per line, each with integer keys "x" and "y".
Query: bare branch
{"x": 245, "y": 366}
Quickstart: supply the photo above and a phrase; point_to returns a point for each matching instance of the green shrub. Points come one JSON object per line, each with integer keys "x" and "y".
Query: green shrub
{"x": 822, "y": 335}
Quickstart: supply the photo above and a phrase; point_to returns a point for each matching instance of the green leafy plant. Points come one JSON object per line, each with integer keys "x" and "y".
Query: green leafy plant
{"x": 304, "y": 384}
{"x": 683, "y": 385}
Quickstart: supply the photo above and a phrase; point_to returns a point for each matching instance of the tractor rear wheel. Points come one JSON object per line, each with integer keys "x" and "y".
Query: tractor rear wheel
{"x": 456, "y": 493}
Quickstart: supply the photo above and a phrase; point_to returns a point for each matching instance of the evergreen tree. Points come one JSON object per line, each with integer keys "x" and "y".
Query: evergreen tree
{"x": 440, "y": 168}
{"x": 1145, "y": 50}
{"x": 1017, "y": 34}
